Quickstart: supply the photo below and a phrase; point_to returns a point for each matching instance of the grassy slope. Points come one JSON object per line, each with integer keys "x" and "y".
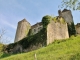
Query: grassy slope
{"x": 59, "y": 50}
{"x": 1, "y": 45}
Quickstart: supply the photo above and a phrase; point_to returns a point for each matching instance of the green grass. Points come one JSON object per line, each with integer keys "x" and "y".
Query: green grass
{"x": 1, "y": 45}
{"x": 68, "y": 49}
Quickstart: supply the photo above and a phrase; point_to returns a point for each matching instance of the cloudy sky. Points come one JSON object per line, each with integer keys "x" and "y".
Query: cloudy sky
{"x": 12, "y": 11}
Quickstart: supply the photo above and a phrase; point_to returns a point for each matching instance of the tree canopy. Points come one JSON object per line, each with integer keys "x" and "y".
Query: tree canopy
{"x": 71, "y": 4}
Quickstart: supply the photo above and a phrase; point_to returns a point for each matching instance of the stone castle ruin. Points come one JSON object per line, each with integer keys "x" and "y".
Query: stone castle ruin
{"x": 58, "y": 30}
{"x": 77, "y": 28}
{"x": 54, "y": 30}
{"x": 38, "y": 36}
{"x": 67, "y": 15}
{"x": 36, "y": 28}
{"x": 22, "y": 30}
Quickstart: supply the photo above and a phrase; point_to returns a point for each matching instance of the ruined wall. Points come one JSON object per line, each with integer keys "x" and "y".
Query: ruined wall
{"x": 56, "y": 30}
{"x": 22, "y": 30}
{"x": 77, "y": 28}
{"x": 67, "y": 15}
{"x": 36, "y": 28}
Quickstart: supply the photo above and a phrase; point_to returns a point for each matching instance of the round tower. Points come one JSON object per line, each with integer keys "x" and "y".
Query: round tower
{"x": 22, "y": 30}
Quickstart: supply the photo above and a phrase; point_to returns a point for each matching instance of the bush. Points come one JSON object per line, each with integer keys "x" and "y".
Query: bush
{"x": 71, "y": 29}
{"x": 46, "y": 20}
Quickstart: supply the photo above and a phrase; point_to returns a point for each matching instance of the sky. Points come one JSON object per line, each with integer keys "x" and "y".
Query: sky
{"x": 13, "y": 11}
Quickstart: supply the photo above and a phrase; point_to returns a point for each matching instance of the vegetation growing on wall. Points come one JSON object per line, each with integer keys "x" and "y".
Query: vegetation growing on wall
{"x": 46, "y": 20}
{"x": 71, "y": 29}
{"x": 39, "y": 38}
{"x": 32, "y": 40}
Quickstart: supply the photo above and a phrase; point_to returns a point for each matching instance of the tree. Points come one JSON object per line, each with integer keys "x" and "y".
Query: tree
{"x": 71, "y": 4}
{"x": 2, "y": 32}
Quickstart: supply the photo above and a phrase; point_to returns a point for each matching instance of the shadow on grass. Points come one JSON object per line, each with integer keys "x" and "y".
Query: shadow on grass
{"x": 75, "y": 57}
{"x": 5, "y": 55}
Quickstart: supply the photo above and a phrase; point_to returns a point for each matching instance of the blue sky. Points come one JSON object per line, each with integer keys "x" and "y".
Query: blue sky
{"x": 12, "y": 11}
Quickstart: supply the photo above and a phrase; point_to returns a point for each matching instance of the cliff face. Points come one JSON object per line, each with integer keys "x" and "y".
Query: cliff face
{"x": 22, "y": 30}
{"x": 56, "y": 30}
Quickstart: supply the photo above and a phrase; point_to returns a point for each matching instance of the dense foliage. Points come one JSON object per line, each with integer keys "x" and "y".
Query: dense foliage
{"x": 71, "y": 4}
{"x": 46, "y": 20}
{"x": 71, "y": 29}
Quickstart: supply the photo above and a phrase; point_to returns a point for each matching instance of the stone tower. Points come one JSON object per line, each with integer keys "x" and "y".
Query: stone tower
{"x": 77, "y": 28}
{"x": 67, "y": 15}
{"x": 22, "y": 30}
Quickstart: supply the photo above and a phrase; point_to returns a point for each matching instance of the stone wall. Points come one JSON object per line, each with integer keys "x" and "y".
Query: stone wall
{"x": 77, "y": 27}
{"x": 67, "y": 15}
{"x": 22, "y": 30}
{"x": 36, "y": 28}
{"x": 56, "y": 30}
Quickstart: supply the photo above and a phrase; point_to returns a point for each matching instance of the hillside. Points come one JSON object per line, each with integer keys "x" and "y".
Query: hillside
{"x": 1, "y": 45}
{"x": 68, "y": 49}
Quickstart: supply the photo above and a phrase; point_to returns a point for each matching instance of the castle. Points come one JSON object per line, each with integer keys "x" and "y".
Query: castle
{"x": 54, "y": 30}
{"x": 39, "y": 38}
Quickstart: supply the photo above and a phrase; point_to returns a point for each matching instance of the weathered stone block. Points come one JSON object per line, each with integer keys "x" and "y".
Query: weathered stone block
{"x": 56, "y": 31}
{"x": 22, "y": 30}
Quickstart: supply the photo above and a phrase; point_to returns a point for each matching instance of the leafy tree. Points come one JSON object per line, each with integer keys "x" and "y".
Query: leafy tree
{"x": 71, "y": 4}
{"x": 2, "y": 32}
{"x": 71, "y": 29}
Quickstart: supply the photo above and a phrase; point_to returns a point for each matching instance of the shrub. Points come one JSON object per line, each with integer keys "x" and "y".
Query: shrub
{"x": 46, "y": 20}
{"x": 71, "y": 29}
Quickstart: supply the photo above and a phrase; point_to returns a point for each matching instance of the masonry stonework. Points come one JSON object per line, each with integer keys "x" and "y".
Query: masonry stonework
{"x": 77, "y": 28}
{"x": 56, "y": 31}
{"x": 22, "y": 30}
{"x": 67, "y": 15}
{"x": 36, "y": 28}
